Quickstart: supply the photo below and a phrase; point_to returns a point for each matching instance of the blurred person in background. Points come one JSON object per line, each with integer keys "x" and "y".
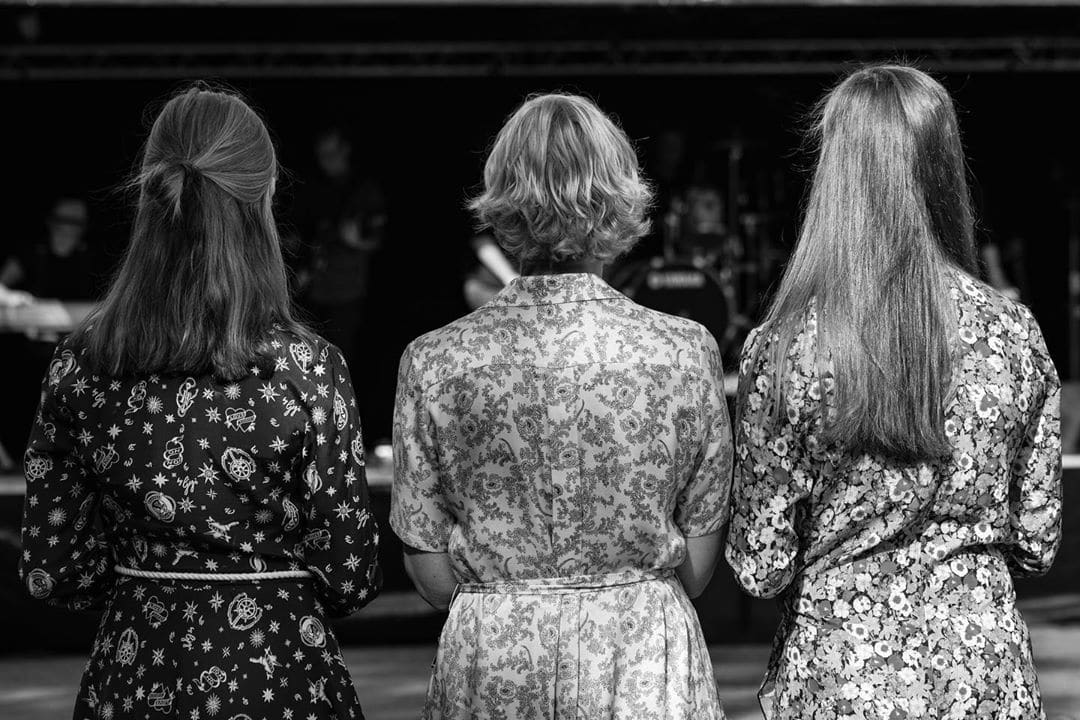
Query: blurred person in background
{"x": 196, "y": 465}
{"x": 62, "y": 264}
{"x": 10, "y": 299}
{"x": 562, "y": 455}
{"x": 702, "y": 233}
{"x": 898, "y": 444}
{"x": 340, "y": 218}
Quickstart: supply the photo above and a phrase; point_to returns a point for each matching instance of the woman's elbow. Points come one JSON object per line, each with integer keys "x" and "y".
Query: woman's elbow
{"x": 1030, "y": 564}
{"x": 696, "y": 570}
{"x": 343, "y": 597}
{"x": 758, "y": 581}
{"x": 438, "y": 598}
{"x": 437, "y": 594}
{"x": 762, "y": 591}
{"x": 432, "y": 576}
{"x": 372, "y": 586}
{"x": 695, "y": 578}
{"x": 75, "y": 588}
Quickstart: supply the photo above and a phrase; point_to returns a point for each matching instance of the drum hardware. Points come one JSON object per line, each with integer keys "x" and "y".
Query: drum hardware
{"x": 493, "y": 272}
{"x": 723, "y": 234}
{"x": 690, "y": 288}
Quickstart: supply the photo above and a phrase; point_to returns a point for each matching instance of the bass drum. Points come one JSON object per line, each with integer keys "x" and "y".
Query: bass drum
{"x": 681, "y": 288}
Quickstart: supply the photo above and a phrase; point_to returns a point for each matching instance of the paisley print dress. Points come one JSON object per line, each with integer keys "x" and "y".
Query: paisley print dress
{"x": 560, "y": 444}
{"x": 896, "y": 582}
{"x": 191, "y": 475}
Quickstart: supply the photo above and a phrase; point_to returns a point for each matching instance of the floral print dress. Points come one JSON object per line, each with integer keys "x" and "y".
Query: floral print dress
{"x": 896, "y": 581}
{"x": 191, "y": 475}
{"x": 560, "y": 444}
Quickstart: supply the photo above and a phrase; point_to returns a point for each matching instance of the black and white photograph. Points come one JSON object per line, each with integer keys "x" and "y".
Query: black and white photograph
{"x": 540, "y": 360}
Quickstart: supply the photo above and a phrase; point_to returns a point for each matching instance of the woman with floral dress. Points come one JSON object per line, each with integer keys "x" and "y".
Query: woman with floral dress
{"x": 898, "y": 452}
{"x": 196, "y": 466}
{"x": 562, "y": 455}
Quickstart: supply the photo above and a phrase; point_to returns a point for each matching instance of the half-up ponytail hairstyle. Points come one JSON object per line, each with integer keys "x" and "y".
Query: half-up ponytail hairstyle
{"x": 167, "y": 183}
{"x": 202, "y": 284}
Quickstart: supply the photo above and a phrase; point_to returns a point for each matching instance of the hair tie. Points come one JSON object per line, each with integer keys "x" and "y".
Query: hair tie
{"x": 188, "y": 169}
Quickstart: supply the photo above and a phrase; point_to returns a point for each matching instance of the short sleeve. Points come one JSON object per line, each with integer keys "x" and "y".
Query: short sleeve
{"x": 419, "y": 512}
{"x": 702, "y": 505}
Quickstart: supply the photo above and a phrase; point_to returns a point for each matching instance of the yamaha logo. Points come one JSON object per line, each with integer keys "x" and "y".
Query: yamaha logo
{"x": 675, "y": 280}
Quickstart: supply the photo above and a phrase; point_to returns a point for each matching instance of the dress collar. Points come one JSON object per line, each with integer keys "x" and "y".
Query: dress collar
{"x": 553, "y": 290}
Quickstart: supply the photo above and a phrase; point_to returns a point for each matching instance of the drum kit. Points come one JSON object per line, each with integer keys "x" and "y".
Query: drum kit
{"x": 718, "y": 251}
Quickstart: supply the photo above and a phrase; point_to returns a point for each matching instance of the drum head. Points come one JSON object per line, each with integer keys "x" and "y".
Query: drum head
{"x": 687, "y": 291}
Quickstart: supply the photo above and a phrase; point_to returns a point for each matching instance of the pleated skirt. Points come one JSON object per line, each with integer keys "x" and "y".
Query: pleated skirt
{"x": 626, "y": 645}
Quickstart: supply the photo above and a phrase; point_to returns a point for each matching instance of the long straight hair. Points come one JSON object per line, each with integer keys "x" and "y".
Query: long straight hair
{"x": 202, "y": 284}
{"x": 887, "y": 215}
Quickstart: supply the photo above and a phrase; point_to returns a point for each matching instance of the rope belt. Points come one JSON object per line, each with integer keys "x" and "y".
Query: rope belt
{"x": 212, "y": 577}
{"x": 568, "y": 584}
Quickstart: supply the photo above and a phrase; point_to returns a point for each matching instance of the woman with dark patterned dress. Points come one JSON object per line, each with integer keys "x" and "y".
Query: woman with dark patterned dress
{"x": 898, "y": 447}
{"x": 196, "y": 467}
{"x": 563, "y": 455}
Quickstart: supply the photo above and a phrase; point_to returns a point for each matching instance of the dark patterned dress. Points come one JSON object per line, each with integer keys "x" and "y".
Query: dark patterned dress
{"x": 561, "y": 443}
{"x": 186, "y": 474}
{"x": 896, "y": 581}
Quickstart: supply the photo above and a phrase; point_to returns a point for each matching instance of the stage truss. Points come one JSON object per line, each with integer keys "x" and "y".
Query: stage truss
{"x": 495, "y": 59}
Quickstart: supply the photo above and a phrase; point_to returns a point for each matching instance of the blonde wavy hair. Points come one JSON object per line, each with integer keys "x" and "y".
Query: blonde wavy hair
{"x": 562, "y": 182}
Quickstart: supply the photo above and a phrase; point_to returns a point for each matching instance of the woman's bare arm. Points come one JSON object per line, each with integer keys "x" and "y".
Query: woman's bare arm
{"x": 432, "y": 575}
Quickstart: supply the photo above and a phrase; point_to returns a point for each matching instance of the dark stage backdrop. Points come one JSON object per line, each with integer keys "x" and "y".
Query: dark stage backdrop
{"x": 424, "y": 139}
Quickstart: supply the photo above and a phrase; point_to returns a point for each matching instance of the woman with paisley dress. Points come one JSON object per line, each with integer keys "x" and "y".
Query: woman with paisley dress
{"x": 196, "y": 467}
{"x": 898, "y": 455}
{"x": 562, "y": 455}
